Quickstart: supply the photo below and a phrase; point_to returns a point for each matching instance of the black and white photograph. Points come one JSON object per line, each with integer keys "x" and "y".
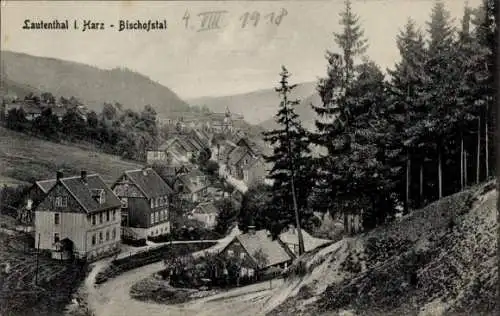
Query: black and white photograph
{"x": 249, "y": 158}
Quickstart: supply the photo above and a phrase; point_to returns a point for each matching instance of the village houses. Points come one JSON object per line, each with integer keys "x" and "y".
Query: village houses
{"x": 206, "y": 213}
{"x": 258, "y": 252}
{"x": 180, "y": 148}
{"x": 80, "y": 212}
{"x": 145, "y": 202}
{"x": 192, "y": 186}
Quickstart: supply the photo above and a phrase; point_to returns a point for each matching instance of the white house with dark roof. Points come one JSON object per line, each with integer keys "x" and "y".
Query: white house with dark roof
{"x": 258, "y": 252}
{"x": 81, "y": 210}
{"x": 206, "y": 213}
{"x": 145, "y": 200}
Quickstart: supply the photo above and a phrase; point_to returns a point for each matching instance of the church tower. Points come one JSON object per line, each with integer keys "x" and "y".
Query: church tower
{"x": 228, "y": 123}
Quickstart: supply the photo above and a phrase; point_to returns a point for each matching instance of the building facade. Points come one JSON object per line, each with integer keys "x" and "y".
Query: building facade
{"x": 145, "y": 198}
{"x": 82, "y": 211}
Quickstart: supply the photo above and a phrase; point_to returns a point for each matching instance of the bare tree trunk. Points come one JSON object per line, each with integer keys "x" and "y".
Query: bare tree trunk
{"x": 407, "y": 197}
{"x": 440, "y": 174}
{"x": 478, "y": 161}
{"x": 421, "y": 184}
{"x": 486, "y": 159}
{"x": 466, "y": 180}
{"x": 461, "y": 162}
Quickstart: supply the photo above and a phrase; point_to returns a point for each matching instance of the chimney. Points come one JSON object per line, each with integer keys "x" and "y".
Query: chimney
{"x": 83, "y": 176}
{"x": 59, "y": 175}
{"x": 251, "y": 230}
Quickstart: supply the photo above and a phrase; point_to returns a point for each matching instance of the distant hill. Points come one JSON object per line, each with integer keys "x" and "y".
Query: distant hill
{"x": 258, "y": 107}
{"x": 22, "y": 73}
{"x": 304, "y": 110}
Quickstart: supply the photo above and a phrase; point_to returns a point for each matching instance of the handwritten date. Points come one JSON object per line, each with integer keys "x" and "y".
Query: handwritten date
{"x": 254, "y": 18}
{"x": 214, "y": 20}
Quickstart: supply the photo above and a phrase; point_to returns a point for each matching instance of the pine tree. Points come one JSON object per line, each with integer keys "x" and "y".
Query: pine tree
{"x": 373, "y": 151}
{"x": 332, "y": 191}
{"x": 405, "y": 111}
{"x": 290, "y": 159}
{"x": 442, "y": 71}
{"x": 351, "y": 40}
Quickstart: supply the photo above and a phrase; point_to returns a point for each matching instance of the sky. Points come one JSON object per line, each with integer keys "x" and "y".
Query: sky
{"x": 223, "y": 61}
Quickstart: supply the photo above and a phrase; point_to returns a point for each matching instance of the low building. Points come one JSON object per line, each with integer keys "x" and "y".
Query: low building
{"x": 81, "y": 210}
{"x": 258, "y": 252}
{"x": 290, "y": 238}
{"x": 145, "y": 198}
{"x": 192, "y": 186}
{"x": 205, "y": 213}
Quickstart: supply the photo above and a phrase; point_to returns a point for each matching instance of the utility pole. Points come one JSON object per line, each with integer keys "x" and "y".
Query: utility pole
{"x": 37, "y": 254}
{"x": 285, "y": 90}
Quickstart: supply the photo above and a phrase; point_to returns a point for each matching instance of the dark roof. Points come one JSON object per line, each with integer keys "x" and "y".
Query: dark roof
{"x": 45, "y": 185}
{"x": 273, "y": 250}
{"x": 236, "y": 155}
{"x": 206, "y": 208}
{"x": 149, "y": 182}
{"x": 82, "y": 192}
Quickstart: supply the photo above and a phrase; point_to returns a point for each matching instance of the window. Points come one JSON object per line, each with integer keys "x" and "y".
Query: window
{"x": 56, "y": 237}
{"x": 124, "y": 202}
{"x": 93, "y": 219}
{"x": 152, "y": 218}
{"x": 156, "y": 217}
{"x": 114, "y": 215}
{"x": 100, "y": 237}
{"x": 107, "y": 235}
{"x": 113, "y": 234}
{"x": 242, "y": 255}
{"x": 107, "y": 216}
{"x": 56, "y": 219}
{"x": 230, "y": 253}
{"x": 100, "y": 218}
{"x": 152, "y": 203}
{"x": 93, "y": 239}
{"x": 61, "y": 201}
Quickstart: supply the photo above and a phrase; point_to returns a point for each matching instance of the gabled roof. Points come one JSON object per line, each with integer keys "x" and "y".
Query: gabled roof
{"x": 310, "y": 243}
{"x": 149, "y": 182}
{"x": 82, "y": 192}
{"x": 45, "y": 185}
{"x": 205, "y": 208}
{"x": 237, "y": 154}
{"x": 190, "y": 181}
{"x": 273, "y": 250}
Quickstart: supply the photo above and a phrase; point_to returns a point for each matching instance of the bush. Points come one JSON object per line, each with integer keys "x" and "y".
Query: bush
{"x": 134, "y": 242}
{"x": 147, "y": 257}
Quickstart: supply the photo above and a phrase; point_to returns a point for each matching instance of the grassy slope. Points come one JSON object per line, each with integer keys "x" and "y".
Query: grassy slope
{"x": 24, "y": 158}
{"x": 416, "y": 267}
{"x": 94, "y": 86}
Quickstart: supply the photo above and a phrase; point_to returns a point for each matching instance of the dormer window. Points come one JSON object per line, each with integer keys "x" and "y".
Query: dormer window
{"x": 61, "y": 201}
{"x": 98, "y": 195}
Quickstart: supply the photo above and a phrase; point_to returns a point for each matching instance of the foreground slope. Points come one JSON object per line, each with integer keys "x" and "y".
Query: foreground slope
{"x": 440, "y": 260}
{"x": 24, "y": 158}
{"x": 26, "y": 73}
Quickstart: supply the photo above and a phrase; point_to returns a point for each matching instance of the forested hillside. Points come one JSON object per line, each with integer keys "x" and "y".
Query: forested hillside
{"x": 91, "y": 85}
{"x": 395, "y": 142}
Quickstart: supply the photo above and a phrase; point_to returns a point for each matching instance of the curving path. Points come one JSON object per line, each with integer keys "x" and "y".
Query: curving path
{"x": 112, "y": 298}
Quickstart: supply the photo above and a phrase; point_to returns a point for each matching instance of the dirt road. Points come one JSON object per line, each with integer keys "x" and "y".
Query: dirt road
{"x": 113, "y": 298}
